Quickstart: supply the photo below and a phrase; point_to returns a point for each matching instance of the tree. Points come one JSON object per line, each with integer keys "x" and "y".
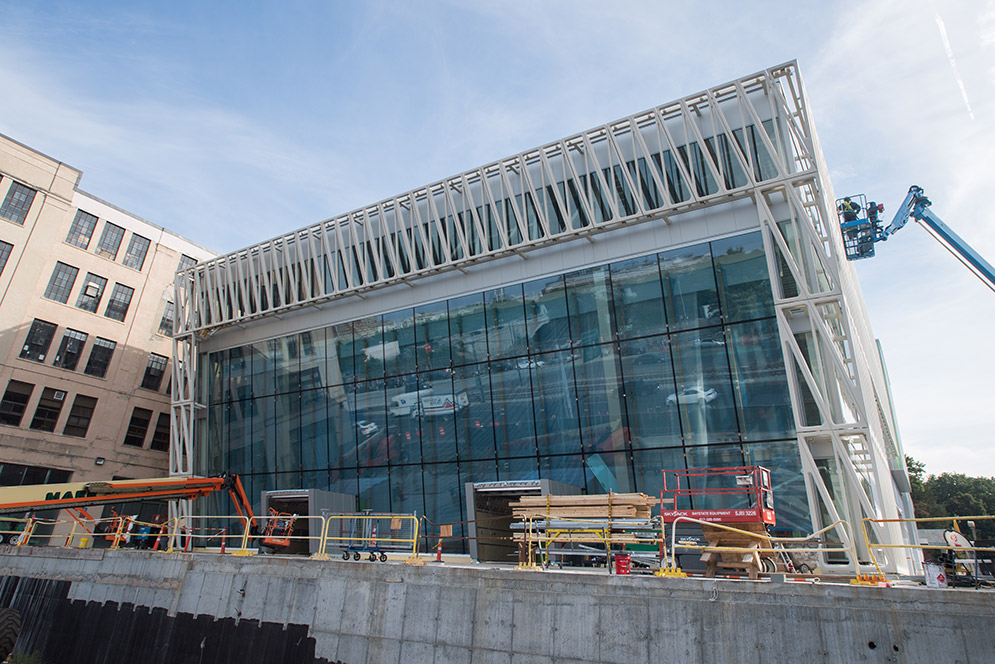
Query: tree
{"x": 953, "y": 494}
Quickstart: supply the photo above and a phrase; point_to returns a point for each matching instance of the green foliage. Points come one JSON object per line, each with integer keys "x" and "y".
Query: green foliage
{"x": 30, "y": 658}
{"x": 953, "y": 494}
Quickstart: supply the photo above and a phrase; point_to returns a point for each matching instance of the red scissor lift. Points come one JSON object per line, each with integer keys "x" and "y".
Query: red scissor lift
{"x": 748, "y": 490}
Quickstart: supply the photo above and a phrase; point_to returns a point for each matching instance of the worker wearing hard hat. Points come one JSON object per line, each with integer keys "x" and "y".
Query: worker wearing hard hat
{"x": 849, "y": 209}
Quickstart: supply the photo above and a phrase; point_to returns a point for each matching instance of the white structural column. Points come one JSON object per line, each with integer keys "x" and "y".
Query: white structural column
{"x": 750, "y": 139}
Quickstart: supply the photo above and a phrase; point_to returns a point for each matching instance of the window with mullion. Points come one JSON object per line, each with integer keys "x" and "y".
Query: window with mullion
{"x": 154, "y": 372}
{"x": 100, "y": 357}
{"x": 80, "y": 415}
{"x": 120, "y": 300}
{"x": 137, "y": 250}
{"x": 39, "y": 339}
{"x": 70, "y": 350}
{"x": 48, "y": 410}
{"x": 110, "y": 241}
{"x": 81, "y": 230}
{"x": 17, "y": 203}
{"x": 5, "y": 248}
{"x": 91, "y": 292}
{"x": 138, "y": 426}
{"x": 61, "y": 282}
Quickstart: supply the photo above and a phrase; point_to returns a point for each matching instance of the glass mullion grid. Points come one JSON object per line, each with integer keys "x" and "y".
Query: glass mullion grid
{"x": 61, "y": 282}
{"x": 17, "y": 203}
{"x": 514, "y": 464}
{"x": 137, "y": 250}
{"x": 88, "y": 302}
{"x": 81, "y": 231}
{"x": 5, "y": 248}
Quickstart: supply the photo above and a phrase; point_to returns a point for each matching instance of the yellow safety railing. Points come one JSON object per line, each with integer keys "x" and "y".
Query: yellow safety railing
{"x": 672, "y": 567}
{"x": 922, "y": 547}
{"x": 365, "y": 535}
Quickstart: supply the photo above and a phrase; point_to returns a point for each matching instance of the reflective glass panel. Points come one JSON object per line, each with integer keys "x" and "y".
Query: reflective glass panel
{"x": 689, "y": 287}
{"x": 599, "y": 398}
{"x": 744, "y": 283}
{"x": 546, "y": 315}
{"x": 555, "y": 403}
{"x": 468, "y": 329}
{"x": 406, "y": 491}
{"x": 432, "y": 326}
{"x": 787, "y": 481}
{"x": 649, "y": 465}
{"x": 568, "y": 469}
{"x": 638, "y": 297}
{"x": 475, "y": 422}
{"x": 608, "y": 472}
{"x": 704, "y": 391}
{"x": 368, "y": 348}
{"x": 505, "y": 311}
{"x": 342, "y": 434}
{"x": 399, "y": 348}
{"x": 438, "y": 410}
{"x": 590, "y": 305}
{"x": 760, "y": 381}
{"x": 648, "y": 375}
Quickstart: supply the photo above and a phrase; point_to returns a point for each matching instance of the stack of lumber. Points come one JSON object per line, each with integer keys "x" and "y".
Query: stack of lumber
{"x": 600, "y": 506}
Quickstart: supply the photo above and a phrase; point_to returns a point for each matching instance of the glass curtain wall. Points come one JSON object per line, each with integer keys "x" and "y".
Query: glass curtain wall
{"x": 600, "y": 378}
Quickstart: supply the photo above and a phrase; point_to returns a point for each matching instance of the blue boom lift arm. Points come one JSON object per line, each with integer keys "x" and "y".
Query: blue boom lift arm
{"x": 859, "y": 235}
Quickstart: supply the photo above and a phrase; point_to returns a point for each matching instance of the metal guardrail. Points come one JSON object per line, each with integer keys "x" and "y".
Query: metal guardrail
{"x": 672, "y": 569}
{"x": 922, "y": 547}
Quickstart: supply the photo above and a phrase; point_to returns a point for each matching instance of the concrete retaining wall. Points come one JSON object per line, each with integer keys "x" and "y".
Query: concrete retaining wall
{"x": 360, "y": 612}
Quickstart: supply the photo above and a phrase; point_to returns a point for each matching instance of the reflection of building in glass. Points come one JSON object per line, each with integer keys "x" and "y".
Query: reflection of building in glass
{"x": 658, "y": 293}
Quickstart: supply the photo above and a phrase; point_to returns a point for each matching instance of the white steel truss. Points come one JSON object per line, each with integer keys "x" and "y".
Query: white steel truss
{"x": 748, "y": 139}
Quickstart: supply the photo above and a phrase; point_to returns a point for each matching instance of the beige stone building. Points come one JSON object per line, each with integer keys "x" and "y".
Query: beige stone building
{"x": 86, "y": 309}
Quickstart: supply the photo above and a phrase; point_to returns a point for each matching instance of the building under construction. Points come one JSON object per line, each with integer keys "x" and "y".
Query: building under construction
{"x": 666, "y": 291}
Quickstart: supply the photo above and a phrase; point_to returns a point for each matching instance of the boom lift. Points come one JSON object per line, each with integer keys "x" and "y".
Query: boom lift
{"x": 76, "y": 497}
{"x": 860, "y": 233}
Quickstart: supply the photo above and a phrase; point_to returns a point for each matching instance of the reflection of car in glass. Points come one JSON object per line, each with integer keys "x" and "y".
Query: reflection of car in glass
{"x": 367, "y": 428}
{"x": 526, "y": 363}
{"x": 693, "y": 395}
{"x": 709, "y": 342}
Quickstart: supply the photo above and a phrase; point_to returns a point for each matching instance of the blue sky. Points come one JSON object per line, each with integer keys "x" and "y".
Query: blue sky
{"x": 233, "y": 122}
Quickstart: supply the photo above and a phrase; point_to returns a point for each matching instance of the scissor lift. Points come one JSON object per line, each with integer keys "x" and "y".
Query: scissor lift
{"x": 748, "y": 490}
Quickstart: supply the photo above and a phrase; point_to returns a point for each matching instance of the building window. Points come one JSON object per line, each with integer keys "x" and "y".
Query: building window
{"x": 49, "y": 407}
{"x": 15, "y": 400}
{"x": 110, "y": 241}
{"x": 14, "y": 474}
{"x": 154, "y": 372}
{"x": 39, "y": 339}
{"x": 137, "y": 249}
{"x": 17, "y": 203}
{"x": 138, "y": 427}
{"x": 160, "y": 437}
{"x": 5, "y": 248}
{"x": 92, "y": 291}
{"x": 61, "y": 282}
{"x": 166, "y": 323}
{"x": 82, "y": 229}
{"x": 186, "y": 263}
{"x": 70, "y": 350}
{"x": 100, "y": 357}
{"x": 117, "y": 305}
{"x": 79, "y": 416}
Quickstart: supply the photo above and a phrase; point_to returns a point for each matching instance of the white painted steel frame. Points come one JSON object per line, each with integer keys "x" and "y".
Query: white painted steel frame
{"x": 536, "y": 198}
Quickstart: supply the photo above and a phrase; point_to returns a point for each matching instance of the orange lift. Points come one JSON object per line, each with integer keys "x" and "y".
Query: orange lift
{"x": 76, "y": 497}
